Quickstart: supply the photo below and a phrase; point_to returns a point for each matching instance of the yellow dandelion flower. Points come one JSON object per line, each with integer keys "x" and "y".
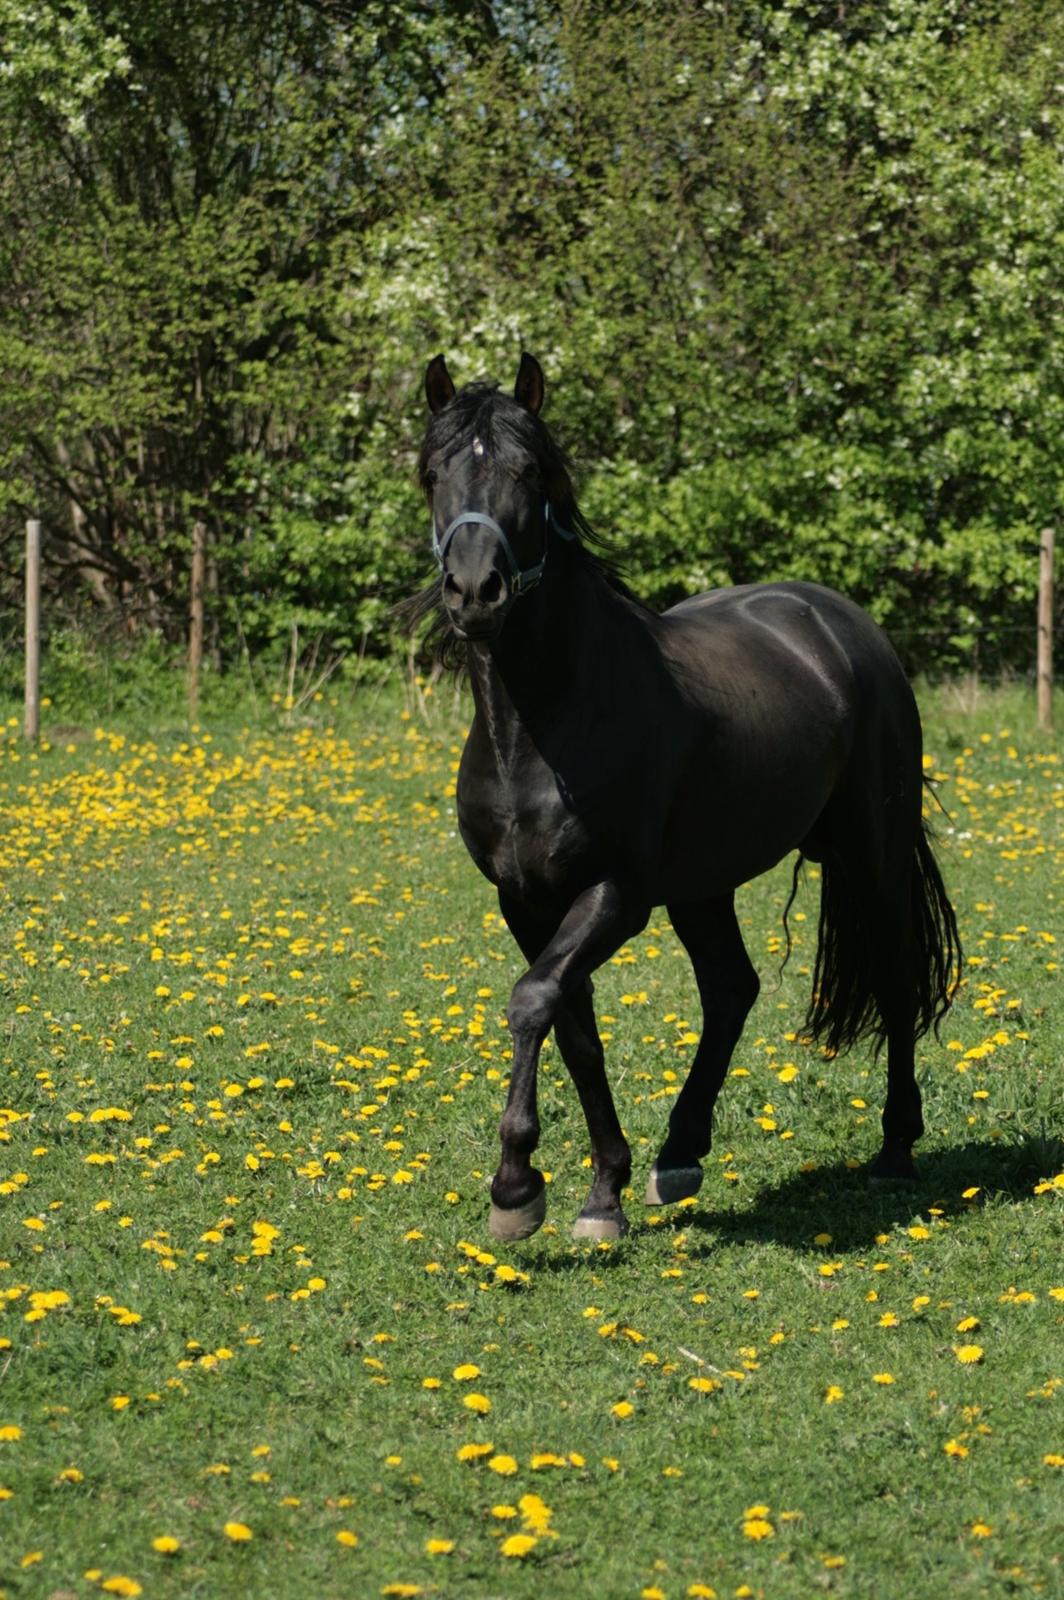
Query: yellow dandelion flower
{"x": 166, "y": 1544}
{"x": 758, "y": 1528}
{"x": 536, "y": 1512}
{"x": 981, "y": 1530}
{"x": 622, "y": 1409}
{"x": 401, "y": 1591}
{"x": 439, "y": 1547}
{"x": 466, "y": 1371}
{"x": 882, "y": 1377}
{"x": 348, "y": 1539}
{"x": 119, "y": 1584}
{"x": 968, "y": 1354}
{"x": 505, "y": 1466}
{"x": 1053, "y": 1459}
{"x": 704, "y": 1385}
{"x": 833, "y": 1393}
{"x": 504, "y": 1512}
{"x": 238, "y": 1532}
{"x": 10, "y": 1432}
{"x": 518, "y": 1545}
{"x": 700, "y": 1591}
{"x": 473, "y": 1452}
{"x": 953, "y": 1447}
{"x": 478, "y": 1403}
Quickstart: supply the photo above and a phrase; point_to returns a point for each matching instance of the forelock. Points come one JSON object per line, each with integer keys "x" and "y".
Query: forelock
{"x": 507, "y": 431}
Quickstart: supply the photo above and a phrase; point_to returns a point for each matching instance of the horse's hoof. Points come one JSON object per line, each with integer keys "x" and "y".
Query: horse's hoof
{"x": 892, "y": 1166}
{"x": 611, "y": 1226}
{"x": 519, "y": 1223}
{"x": 666, "y": 1185}
{"x": 884, "y": 1177}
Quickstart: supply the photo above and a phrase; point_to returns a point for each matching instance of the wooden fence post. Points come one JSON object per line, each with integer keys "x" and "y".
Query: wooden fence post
{"x": 195, "y": 621}
{"x": 1045, "y": 630}
{"x": 32, "y": 723}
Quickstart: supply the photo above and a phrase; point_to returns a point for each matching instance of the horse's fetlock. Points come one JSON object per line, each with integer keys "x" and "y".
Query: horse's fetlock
{"x": 519, "y": 1130}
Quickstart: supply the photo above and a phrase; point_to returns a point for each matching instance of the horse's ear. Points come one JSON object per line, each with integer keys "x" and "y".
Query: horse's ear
{"x": 529, "y": 386}
{"x": 438, "y": 386}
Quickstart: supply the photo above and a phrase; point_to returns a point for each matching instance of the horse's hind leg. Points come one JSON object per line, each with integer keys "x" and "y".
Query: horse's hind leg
{"x": 728, "y": 987}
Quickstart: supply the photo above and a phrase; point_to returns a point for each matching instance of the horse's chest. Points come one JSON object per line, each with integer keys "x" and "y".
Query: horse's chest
{"x": 521, "y": 834}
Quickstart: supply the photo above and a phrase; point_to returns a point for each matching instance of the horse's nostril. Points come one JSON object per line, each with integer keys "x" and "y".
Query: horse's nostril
{"x": 451, "y": 585}
{"x": 491, "y": 588}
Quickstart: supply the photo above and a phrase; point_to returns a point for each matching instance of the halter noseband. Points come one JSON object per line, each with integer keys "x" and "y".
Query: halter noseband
{"x": 521, "y": 579}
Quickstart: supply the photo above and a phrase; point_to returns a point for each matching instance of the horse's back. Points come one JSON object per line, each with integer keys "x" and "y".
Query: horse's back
{"x": 799, "y": 638}
{"x": 783, "y": 607}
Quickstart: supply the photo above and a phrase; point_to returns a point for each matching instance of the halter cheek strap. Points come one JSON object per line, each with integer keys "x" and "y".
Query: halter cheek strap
{"x": 521, "y": 579}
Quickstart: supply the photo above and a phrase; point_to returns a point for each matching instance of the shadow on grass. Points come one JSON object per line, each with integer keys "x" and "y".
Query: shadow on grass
{"x": 841, "y": 1201}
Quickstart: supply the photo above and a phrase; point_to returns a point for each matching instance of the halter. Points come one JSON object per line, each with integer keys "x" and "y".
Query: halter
{"x": 521, "y": 580}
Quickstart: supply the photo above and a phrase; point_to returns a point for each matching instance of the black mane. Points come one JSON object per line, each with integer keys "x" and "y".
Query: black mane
{"x": 510, "y": 433}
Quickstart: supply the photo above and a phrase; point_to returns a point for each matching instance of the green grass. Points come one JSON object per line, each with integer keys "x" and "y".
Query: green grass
{"x": 268, "y": 951}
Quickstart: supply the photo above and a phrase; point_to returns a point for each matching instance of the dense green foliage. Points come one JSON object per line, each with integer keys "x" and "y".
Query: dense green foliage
{"x": 792, "y": 269}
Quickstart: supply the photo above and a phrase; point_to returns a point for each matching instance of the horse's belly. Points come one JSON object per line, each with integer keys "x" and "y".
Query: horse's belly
{"x": 723, "y": 830}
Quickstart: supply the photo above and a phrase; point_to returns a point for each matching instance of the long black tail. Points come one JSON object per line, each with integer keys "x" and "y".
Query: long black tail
{"x": 843, "y": 1008}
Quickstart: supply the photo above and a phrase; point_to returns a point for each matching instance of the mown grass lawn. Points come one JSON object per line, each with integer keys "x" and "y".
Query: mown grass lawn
{"x": 255, "y": 1339}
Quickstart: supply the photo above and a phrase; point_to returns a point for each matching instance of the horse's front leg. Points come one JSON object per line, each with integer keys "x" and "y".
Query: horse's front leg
{"x": 599, "y": 920}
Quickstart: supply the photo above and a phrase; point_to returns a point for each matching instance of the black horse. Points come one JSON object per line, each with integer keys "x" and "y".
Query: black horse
{"x": 620, "y": 759}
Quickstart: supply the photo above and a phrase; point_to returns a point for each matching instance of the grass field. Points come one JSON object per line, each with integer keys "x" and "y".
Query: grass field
{"x": 255, "y": 1339}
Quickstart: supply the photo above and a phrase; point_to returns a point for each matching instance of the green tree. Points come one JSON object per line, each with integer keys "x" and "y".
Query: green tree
{"x": 791, "y": 269}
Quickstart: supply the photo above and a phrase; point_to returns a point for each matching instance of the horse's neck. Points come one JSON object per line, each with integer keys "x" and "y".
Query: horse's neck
{"x": 559, "y": 656}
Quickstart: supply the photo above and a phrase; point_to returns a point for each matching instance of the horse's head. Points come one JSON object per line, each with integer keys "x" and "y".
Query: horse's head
{"x": 490, "y": 472}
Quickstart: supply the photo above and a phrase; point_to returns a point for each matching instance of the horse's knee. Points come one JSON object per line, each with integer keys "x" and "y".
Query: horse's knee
{"x": 532, "y": 1007}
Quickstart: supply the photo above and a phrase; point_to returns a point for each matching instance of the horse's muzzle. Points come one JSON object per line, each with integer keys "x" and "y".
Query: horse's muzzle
{"x": 476, "y": 604}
